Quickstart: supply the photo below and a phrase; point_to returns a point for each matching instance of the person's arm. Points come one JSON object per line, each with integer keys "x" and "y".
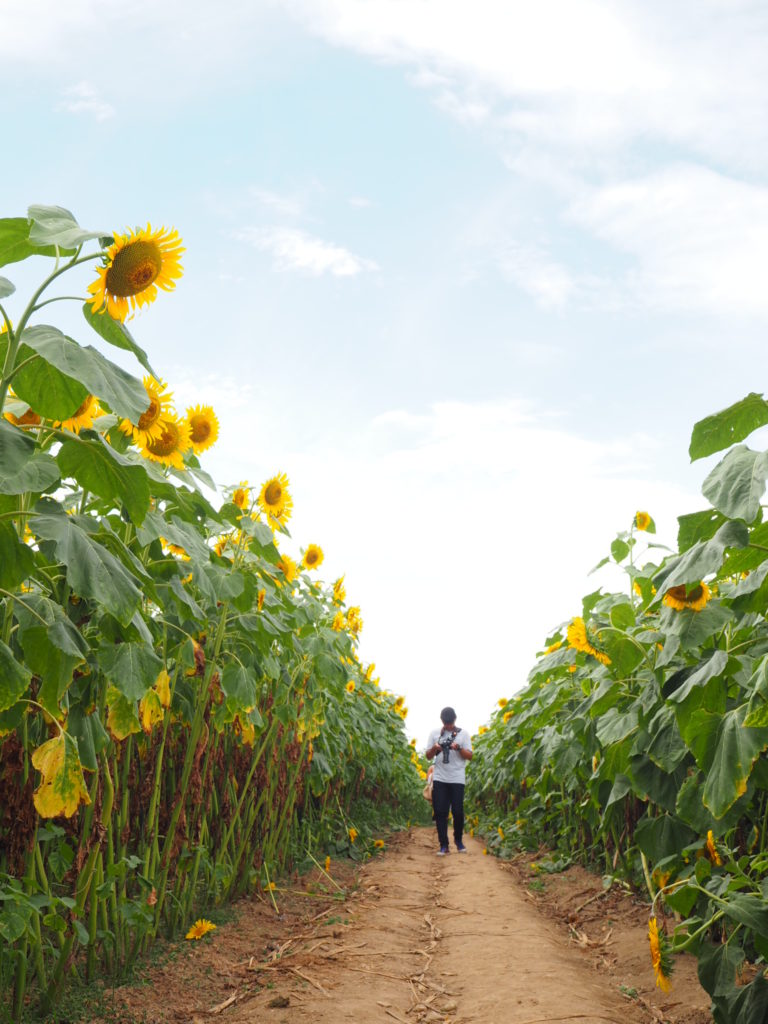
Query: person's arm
{"x": 465, "y": 752}
{"x": 433, "y": 751}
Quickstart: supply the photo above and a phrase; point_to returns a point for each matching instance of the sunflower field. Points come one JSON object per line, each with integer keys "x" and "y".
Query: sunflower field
{"x": 183, "y": 713}
{"x": 638, "y": 745}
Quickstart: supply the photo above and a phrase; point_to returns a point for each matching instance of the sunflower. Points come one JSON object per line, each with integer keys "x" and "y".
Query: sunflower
{"x": 353, "y": 834}
{"x": 313, "y": 557}
{"x": 204, "y": 427}
{"x": 327, "y": 865}
{"x": 241, "y": 496}
{"x": 642, "y": 520}
{"x": 288, "y": 568}
{"x": 399, "y": 703}
{"x": 403, "y": 712}
{"x": 137, "y": 264}
{"x": 482, "y": 730}
{"x": 554, "y": 647}
{"x": 260, "y": 600}
{"x": 369, "y": 671}
{"x": 223, "y": 543}
{"x": 27, "y": 419}
{"x": 82, "y": 417}
{"x": 350, "y": 687}
{"x": 275, "y": 501}
{"x": 170, "y": 446}
{"x": 174, "y": 549}
{"x": 354, "y": 622}
{"x": 200, "y": 928}
{"x": 500, "y": 830}
{"x": 338, "y": 622}
{"x": 378, "y": 844}
{"x": 582, "y": 639}
{"x": 681, "y": 598}
{"x": 712, "y": 853}
{"x": 660, "y": 955}
{"x": 152, "y": 420}
{"x": 339, "y": 591}
{"x": 506, "y": 716}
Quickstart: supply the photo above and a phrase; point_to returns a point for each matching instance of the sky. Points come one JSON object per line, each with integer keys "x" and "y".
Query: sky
{"x": 468, "y": 274}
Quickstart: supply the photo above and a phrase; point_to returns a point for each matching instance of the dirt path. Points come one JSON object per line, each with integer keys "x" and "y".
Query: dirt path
{"x": 422, "y": 939}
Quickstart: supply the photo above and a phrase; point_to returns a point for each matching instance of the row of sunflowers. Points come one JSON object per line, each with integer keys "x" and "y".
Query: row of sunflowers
{"x": 638, "y": 745}
{"x": 183, "y": 710}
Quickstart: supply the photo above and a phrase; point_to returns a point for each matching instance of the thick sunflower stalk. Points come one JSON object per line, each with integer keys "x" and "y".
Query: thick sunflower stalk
{"x": 176, "y": 718}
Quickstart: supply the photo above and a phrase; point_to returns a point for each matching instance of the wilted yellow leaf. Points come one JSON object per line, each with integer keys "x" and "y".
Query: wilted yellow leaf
{"x": 121, "y": 714}
{"x": 163, "y": 688}
{"x": 150, "y": 711}
{"x": 62, "y": 787}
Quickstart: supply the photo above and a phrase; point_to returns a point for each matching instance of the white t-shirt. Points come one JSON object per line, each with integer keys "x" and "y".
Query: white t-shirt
{"x": 455, "y": 769}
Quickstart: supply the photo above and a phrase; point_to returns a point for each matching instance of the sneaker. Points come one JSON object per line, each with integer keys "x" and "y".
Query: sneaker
{"x": 443, "y": 851}
{"x": 461, "y": 848}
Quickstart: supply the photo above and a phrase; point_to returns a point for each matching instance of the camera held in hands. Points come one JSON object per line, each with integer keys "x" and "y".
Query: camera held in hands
{"x": 445, "y": 743}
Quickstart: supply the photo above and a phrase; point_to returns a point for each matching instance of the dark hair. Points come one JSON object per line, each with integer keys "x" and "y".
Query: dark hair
{"x": 447, "y": 716}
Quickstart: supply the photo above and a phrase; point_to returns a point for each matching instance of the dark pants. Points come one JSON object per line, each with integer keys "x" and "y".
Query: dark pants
{"x": 448, "y": 796}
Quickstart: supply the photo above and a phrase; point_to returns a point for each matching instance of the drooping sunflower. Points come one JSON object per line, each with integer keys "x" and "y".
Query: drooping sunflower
{"x": 313, "y": 557}
{"x": 174, "y": 549}
{"x": 241, "y": 496}
{"x": 137, "y": 264}
{"x": 82, "y": 417}
{"x": 204, "y": 427}
{"x": 159, "y": 410}
{"x": 399, "y": 703}
{"x": 260, "y": 600}
{"x": 353, "y": 834}
{"x": 338, "y": 622}
{"x": 339, "y": 591}
{"x": 170, "y": 446}
{"x": 507, "y": 715}
{"x": 642, "y": 520}
{"x": 583, "y": 639}
{"x": 288, "y": 568}
{"x": 275, "y": 500}
{"x": 681, "y": 598}
{"x": 369, "y": 671}
{"x": 354, "y": 622}
{"x": 200, "y": 928}
{"x": 27, "y": 419}
{"x": 350, "y": 687}
{"x": 712, "y": 851}
{"x": 661, "y": 958}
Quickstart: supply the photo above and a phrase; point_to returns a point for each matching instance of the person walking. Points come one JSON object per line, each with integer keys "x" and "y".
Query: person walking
{"x": 454, "y": 747}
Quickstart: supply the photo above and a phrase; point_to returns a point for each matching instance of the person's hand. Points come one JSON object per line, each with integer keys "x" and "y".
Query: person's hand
{"x": 455, "y": 746}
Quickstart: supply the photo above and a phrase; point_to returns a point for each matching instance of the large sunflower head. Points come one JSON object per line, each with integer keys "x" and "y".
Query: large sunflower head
{"x": 151, "y": 422}
{"x": 683, "y": 597}
{"x": 313, "y": 557}
{"x": 170, "y": 446}
{"x": 275, "y": 501}
{"x": 204, "y": 427}
{"x": 137, "y": 264}
{"x": 82, "y": 417}
{"x": 584, "y": 639}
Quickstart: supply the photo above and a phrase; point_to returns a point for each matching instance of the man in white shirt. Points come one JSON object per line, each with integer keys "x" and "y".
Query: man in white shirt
{"x": 453, "y": 748}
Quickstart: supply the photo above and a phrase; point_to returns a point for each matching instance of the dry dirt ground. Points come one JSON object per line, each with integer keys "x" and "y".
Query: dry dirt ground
{"x": 420, "y": 939}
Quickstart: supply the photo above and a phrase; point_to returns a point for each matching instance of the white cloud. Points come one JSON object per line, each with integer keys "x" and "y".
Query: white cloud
{"x": 293, "y": 249}
{"x": 549, "y": 283}
{"x": 84, "y": 98}
{"x": 285, "y": 205}
{"x": 699, "y": 239}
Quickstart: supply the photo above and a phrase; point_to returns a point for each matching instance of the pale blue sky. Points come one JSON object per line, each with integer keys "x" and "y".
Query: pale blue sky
{"x": 467, "y": 275}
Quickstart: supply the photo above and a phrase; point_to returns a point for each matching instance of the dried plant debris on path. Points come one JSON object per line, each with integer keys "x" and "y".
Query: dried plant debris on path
{"x": 418, "y": 939}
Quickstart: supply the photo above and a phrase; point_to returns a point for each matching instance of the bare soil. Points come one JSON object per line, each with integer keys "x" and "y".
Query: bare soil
{"x": 419, "y": 939}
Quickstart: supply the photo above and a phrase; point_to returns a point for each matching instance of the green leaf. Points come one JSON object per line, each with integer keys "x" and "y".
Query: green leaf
{"x": 712, "y": 666}
{"x": 693, "y": 628}
{"x": 131, "y": 667}
{"x": 15, "y": 244}
{"x": 737, "y": 748}
{"x": 14, "y": 678}
{"x": 662, "y": 837}
{"x": 116, "y": 334}
{"x": 45, "y": 389}
{"x": 622, "y": 616}
{"x": 748, "y": 909}
{"x": 52, "y": 648}
{"x": 616, "y": 725}
{"x": 717, "y": 966}
{"x": 16, "y": 448}
{"x": 125, "y": 395}
{"x": 90, "y": 734}
{"x": 92, "y": 571}
{"x": 619, "y": 549}
{"x": 39, "y": 474}
{"x": 704, "y": 558}
{"x": 122, "y": 716}
{"x": 727, "y": 427}
{"x": 666, "y": 748}
{"x": 6, "y": 288}
{"x": 16, "y": 560}
{"x": 737, "y": 483}
{"x": 239, "y": 685}
{"x": 99, "y": 468}
{"x": 53, "y": 225}
{"x": 697, "y": 526}
{"x": 699, "y": 729}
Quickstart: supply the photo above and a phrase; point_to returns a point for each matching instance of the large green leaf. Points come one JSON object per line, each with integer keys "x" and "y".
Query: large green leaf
{"x": 712, "y": 666}
{"x": 737, "y": 483}
{"x": 15, "y": 244}
{"x": 16, "y": 560}
{"x": 131, "y": 667}
{"x": 125, "y": 395}
{"x": 39, "y": 474}
{"x": 717, "y": 968}
{"x": 737, "y": 747}
{"x": 102, "y": 470}
{"x": 116, "y": 333}
{"x": 616, "y": 725}
{"x": 703, "y": 559}
{"x": 239, "y": 685}
{"x": 694, "y": 628}
{"x": 14, "y": 678}
{"x": 92, "y": 571}
{"x": 53, "y": 225}
{"x": 662, "y": 837}
{"x": 177, "y": 532}
{"x": 697, "y": 526}
{"x": 729, "y": 426}
{"x": 52, "y": 645}
{"x": 748, "y": 909}
{"x": 16, "y": 448}
{"x": 699, "y": 729}
{"x": 666, "y": 748}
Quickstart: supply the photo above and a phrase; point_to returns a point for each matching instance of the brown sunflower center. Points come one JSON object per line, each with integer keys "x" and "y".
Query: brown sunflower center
{"x": 201, "y": 429}
{"x": 311, "y": 557}
{"x": 28, "y": 419}
{"x": 273, "y": 493}
{"x": 134, "y": 268}
{"x": 150, "y": 416}
{"x": 680, "y": 594}
{"x": 168, "y": 441}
